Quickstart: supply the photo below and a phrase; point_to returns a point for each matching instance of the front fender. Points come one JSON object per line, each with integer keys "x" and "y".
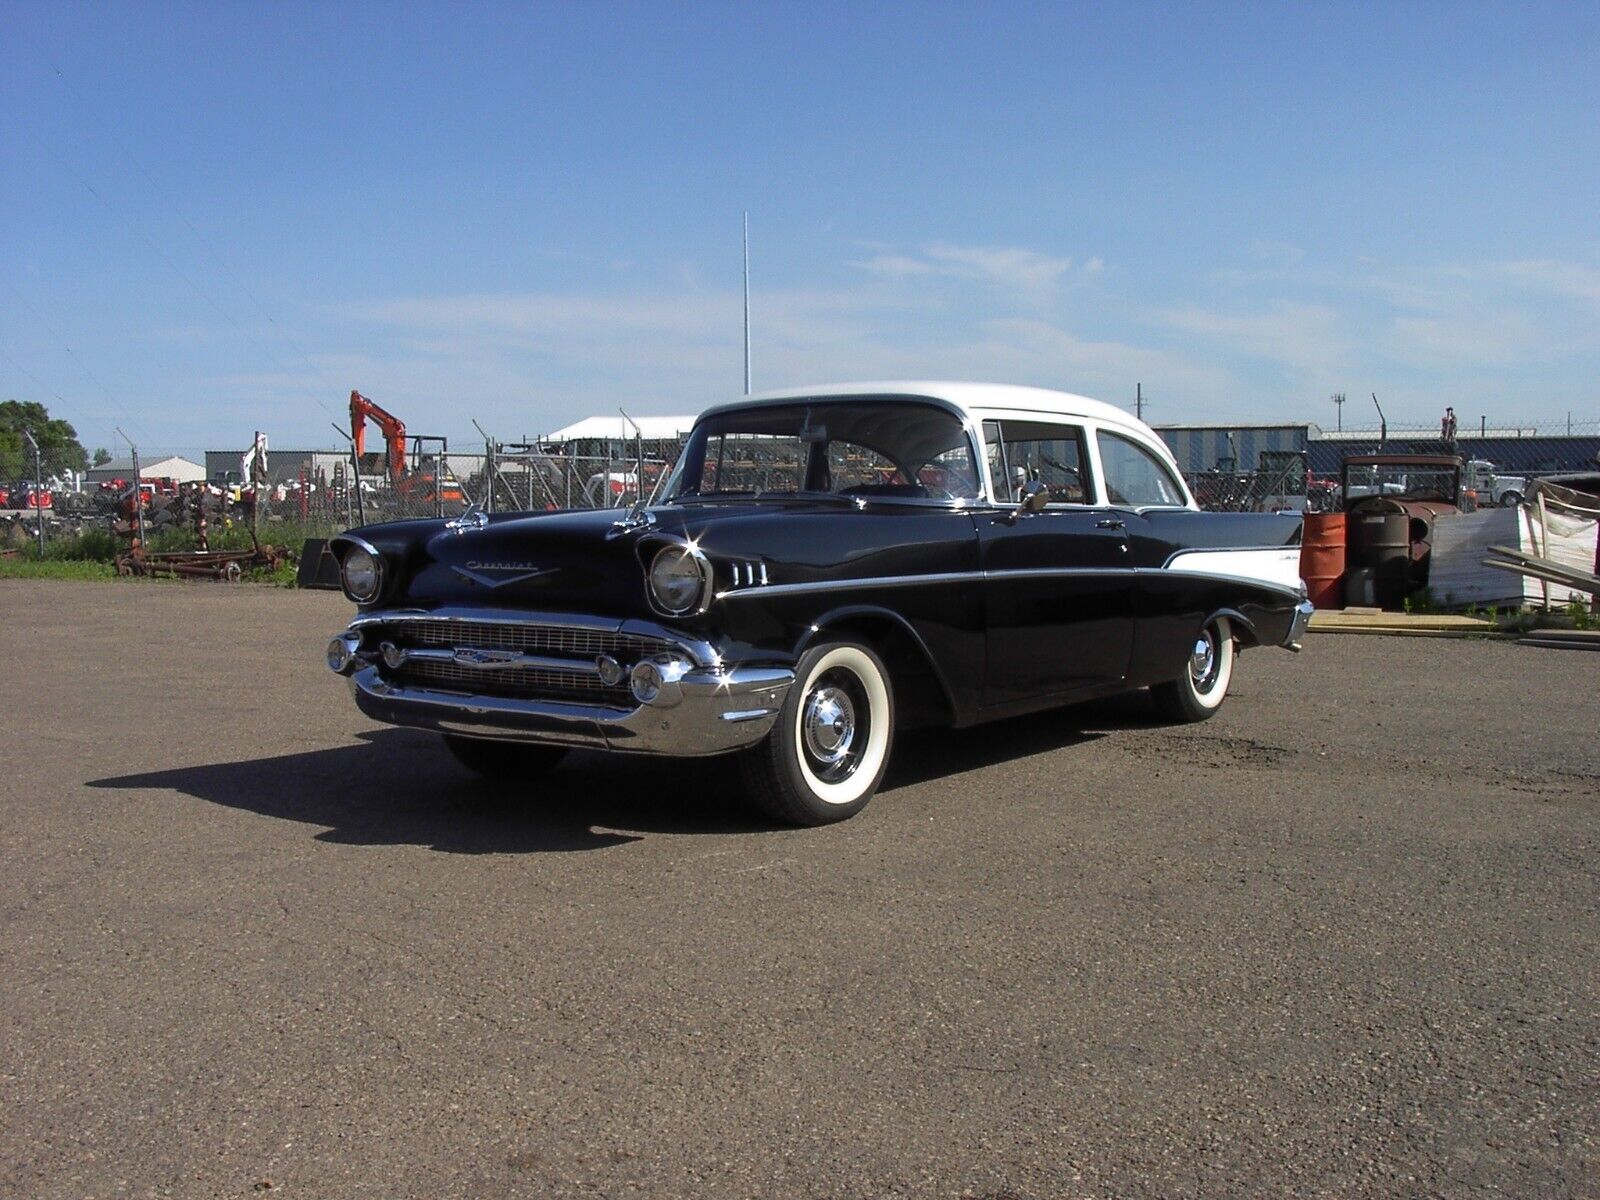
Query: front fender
{"x": 863, "y": 620}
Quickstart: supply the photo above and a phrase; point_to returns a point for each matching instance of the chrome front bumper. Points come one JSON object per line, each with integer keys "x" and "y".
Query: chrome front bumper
{"x": 715, "y": 710}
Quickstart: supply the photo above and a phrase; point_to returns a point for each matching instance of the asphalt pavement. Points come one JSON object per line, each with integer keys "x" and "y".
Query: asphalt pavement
{"x": 1339, "y": 941}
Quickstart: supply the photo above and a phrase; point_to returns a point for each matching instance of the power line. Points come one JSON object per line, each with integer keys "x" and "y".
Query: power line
{"x": 172, "y": 207}
{"x": 179, "y": 272}
{"x": 62, "y": 342}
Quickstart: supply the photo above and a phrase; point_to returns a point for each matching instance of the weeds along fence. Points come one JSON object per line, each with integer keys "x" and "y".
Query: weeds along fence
{"x": 317, "y": 493}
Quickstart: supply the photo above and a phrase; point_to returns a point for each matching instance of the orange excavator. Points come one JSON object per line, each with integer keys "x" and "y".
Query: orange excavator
{"x": 423, "y": 486}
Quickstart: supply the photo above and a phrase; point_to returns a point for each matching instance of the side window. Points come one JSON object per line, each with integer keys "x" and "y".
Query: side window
{"x": 1020, "y": 451}
{"x": 1134, "y": 476}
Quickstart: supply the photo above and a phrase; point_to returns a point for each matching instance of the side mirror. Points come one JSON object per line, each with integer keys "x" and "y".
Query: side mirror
{"x": 1034, "y": 497}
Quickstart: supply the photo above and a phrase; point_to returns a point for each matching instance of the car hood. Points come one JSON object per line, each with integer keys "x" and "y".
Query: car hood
{"x": 591, "y": 560}
{"x": 553, "y": 561}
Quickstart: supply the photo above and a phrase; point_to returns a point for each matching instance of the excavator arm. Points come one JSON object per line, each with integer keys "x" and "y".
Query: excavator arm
{"x": 394, "y": 434}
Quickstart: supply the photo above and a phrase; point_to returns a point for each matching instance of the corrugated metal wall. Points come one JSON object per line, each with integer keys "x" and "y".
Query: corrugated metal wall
{"x": 1200, "y": 448}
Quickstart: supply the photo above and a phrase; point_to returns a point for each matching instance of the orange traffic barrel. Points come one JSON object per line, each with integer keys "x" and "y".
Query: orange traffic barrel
{"x": 1322, "y": 558}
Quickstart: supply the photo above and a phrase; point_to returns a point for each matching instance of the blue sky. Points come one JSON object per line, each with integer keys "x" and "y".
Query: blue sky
{"x": 223, "y": 217}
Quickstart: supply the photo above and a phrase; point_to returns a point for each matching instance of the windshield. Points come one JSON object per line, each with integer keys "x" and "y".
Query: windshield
{"x": 878, "y": 448}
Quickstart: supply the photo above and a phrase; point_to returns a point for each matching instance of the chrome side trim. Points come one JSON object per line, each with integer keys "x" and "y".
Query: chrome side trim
{"x": 886, "y": 581}
{"x": 1288, "y": 593}
{"x": 835, "y": 585}
{"x": 1177, "y": 554}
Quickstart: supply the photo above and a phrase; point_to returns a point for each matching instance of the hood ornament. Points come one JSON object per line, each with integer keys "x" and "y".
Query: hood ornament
{"x": 639, "y": 517}
{"x": 468, "y": 522}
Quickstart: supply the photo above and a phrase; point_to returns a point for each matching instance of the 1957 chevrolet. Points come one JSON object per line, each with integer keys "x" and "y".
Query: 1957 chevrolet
{"x": 826, "y": 567}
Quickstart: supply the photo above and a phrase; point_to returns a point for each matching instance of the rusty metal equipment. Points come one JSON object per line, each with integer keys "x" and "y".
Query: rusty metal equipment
{"x": 226, "y": 566}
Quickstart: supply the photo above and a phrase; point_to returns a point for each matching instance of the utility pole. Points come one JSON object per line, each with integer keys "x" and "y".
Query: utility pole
{"x": 747, "y": 303}
{"x": 1338, "y": 408}
{"x": 38, "y": 488}
{"x": 138, "y": 492}
{"x": 1138, "y": 400}
{"x": 1383, "y": 423}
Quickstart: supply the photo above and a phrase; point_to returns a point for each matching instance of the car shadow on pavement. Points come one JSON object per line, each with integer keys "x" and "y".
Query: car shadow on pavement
{"x": 401, "y": 787}
{"x": 924, "y": 754}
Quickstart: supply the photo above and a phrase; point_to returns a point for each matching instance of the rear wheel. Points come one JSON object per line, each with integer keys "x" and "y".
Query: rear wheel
{"x": 827, "y": 753}
{"x": 1200, "y": 690}
{"x": 506, "y": 761}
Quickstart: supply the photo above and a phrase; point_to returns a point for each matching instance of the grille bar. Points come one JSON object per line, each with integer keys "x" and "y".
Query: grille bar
{"x": 549, "y": 681}
{"x": 522, "y": 684}
{"x": 531, "y": 639}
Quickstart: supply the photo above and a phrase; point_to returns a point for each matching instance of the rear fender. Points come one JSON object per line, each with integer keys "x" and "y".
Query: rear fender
{"x": 1244, "y": 629}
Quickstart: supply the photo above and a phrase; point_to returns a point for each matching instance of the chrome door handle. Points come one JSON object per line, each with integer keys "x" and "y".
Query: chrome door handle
{"x": 1109, "y": 523}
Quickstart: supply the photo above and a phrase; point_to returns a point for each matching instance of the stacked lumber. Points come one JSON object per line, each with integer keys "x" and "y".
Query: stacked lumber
{"x": 1470, "y": 550}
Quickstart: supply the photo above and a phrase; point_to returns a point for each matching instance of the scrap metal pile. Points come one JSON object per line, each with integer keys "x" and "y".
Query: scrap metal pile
{"x": 200, "y": 508}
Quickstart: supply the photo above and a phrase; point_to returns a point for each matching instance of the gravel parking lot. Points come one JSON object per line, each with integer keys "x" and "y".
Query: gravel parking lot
{"x": 1342, "y": 940}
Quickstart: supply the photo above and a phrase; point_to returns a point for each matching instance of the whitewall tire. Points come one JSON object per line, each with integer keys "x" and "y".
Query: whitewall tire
{"x": 828, "y": 751}
{"x": 1208, "y": 670}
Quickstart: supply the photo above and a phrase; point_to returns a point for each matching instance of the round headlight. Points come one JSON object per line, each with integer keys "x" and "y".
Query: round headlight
{"x": 362, "y": 572}
{"x": 679, "y": 580}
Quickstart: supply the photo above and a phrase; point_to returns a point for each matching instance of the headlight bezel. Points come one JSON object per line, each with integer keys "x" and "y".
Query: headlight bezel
{"x": 681, "y": 553}
{"x": 361, "y": 547}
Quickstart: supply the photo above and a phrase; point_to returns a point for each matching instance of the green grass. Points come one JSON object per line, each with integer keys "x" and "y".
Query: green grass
{"x": 26, "y": 568}
{"x": 93, "y": 553}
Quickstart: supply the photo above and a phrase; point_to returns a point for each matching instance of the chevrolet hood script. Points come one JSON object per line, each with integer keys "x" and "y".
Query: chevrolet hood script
{"x": 498, "y": 574}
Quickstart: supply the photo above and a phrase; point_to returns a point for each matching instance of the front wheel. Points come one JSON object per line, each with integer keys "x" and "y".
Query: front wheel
{"x": 1510, "y": 499}
{"x": 510, "y": 762}
{"x": 1200, "y": 690}
{"x": 827, "y": 753}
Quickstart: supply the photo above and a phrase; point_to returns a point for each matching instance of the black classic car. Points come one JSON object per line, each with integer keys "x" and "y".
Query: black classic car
{"x": 824, "y": 567}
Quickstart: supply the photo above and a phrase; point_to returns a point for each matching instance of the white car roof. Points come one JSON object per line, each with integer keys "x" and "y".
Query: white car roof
{"x": 973, "y": 398}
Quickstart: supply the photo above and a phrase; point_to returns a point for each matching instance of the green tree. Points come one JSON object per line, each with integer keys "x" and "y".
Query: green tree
{"x": 101, "y": 456}
{"x": 59, "y": 447}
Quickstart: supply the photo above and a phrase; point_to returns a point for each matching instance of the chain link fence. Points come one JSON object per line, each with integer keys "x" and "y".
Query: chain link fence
{"x": 316, "y": 493}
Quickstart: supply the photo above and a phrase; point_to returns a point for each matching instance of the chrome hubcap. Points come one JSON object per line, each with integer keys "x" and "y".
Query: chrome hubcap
{"x": 829, "y": 723}
{"x": 1203, "y": 661}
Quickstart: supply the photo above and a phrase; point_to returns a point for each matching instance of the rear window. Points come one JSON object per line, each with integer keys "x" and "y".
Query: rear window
{"x": 1134, "y": 475}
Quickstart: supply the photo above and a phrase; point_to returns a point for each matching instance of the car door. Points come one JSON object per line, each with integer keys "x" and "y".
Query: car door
{"x": 1058, "y": 584}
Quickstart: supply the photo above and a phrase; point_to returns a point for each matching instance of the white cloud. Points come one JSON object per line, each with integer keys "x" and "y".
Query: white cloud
{"x": 1307, "y": 341}
{"x": 1009, "y": 267}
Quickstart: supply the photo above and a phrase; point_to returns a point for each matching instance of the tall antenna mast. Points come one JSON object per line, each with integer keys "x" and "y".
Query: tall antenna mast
{"x": 747, "y": 303}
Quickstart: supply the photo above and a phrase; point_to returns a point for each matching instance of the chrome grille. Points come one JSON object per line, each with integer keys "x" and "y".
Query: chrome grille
{"x": 532, "y": 639}
{"x": 531, "y": 683}
{"x": 581, "y": 645}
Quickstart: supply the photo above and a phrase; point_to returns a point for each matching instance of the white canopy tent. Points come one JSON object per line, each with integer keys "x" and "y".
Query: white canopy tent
{"x": 621, "y": 429}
